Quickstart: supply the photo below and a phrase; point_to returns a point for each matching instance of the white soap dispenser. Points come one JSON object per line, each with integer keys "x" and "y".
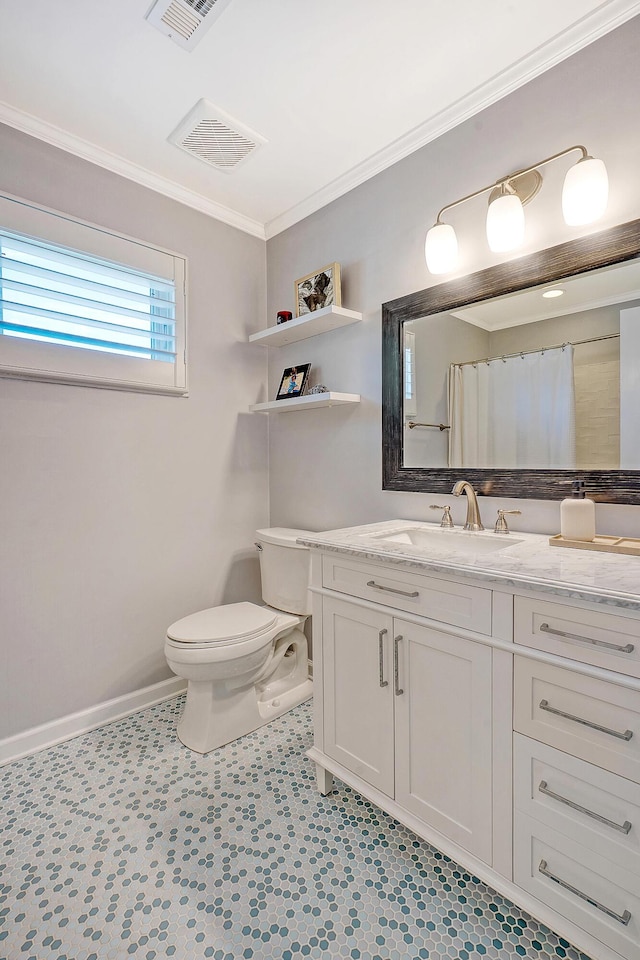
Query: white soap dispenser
{"x": 578, "y": 514}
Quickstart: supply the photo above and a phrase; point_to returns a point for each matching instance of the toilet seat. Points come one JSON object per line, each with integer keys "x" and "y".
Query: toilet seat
{"x": 185, "y": 645}
{"x": 223, "y": 626}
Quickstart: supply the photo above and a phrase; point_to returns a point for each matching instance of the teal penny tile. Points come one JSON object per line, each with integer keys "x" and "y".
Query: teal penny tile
{"x": 124, "y": 844}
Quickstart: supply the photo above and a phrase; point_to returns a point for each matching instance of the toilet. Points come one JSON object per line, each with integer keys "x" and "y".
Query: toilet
{"x": 246, "y": 664}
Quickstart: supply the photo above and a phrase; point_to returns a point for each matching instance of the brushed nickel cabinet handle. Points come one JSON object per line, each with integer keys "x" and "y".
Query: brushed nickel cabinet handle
{"x": 622, "y": 918}
{"x": 627, "y": 648}
{"x": 544, "y": 705}
{"x": 403, "y": 593}
{"x": 381, "y": 636}
{"x": 396, "y": 679}
{"x": 622, "y": 827}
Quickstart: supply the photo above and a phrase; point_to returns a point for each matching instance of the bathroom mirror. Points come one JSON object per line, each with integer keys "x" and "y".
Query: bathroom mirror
{"x": 486, "y": 379}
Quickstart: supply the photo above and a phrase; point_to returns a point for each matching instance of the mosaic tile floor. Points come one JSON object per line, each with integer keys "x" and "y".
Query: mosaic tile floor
{"x": 123, "y": 843}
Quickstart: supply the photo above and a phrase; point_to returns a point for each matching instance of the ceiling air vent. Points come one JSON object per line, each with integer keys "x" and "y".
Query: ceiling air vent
{"x": 211, "y": 135}
{"x": 185, "y": 21}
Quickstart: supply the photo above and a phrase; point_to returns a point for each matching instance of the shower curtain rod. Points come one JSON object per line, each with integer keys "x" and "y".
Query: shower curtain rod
{"x": 524, "y": 353}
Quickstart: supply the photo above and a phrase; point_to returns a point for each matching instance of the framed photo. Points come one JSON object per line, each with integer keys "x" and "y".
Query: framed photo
{"x": 294, "y": 381}
{"x": 317, "y": 290}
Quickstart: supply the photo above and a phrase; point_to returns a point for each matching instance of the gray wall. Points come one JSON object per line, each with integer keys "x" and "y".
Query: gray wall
{"x": 123, "y": 512}
{"x": 604, "y": 321}
{"x": 326, "y": 464}
{"x": 440, "y": 341}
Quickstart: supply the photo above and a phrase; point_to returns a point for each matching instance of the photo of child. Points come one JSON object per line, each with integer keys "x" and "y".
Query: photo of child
{"x": 294, "y": 380}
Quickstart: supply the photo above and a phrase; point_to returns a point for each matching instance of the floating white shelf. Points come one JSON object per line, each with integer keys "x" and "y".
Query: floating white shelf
{"x": 310, "y": 325}
{"x": 314, "y": 401}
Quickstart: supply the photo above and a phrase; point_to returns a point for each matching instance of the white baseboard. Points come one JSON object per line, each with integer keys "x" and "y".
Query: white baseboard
{"x": 56, "y": 731}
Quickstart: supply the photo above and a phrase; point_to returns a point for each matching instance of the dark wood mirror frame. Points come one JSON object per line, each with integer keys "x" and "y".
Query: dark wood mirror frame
{"x": 567, "y": 259}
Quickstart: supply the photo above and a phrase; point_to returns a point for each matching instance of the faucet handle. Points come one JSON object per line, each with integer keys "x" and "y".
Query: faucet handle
{"x": 501, "y": 523}
{"x": 446, "y": 516}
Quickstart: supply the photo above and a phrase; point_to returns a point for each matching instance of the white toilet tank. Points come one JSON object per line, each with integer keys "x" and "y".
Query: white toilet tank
{"x": 284, "y": 568}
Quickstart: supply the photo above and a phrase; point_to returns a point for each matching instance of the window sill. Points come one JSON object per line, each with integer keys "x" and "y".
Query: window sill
{"x": 46, "y": 376}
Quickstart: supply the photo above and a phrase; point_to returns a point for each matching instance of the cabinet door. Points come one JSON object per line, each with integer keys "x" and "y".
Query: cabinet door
{"x": 443, "y": 734}
{"x": 358, "y": 689}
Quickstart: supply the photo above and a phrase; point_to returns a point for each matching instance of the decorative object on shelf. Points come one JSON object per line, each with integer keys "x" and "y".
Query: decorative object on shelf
{"x": 584, "y": 199}
{"x": 283, "y": 315}
{"x": 317, "y": 290}
{"x": 294, "y": 380}
{"x": 318, "y": 388}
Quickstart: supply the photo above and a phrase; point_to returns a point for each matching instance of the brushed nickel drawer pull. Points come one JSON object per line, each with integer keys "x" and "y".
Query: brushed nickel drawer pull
{"x": 623, "y": 828}
{"x": 544, "y": 705}
{"x": 623, "y": 918}
{"x": 627, "y": 648}
{"x": 403, "y": 593}
{"x": 381, "y": 636}
{"x": 396, "y": 679}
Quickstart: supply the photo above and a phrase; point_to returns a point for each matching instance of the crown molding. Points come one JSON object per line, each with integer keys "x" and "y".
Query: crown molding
{"x": 57, "y": 137}
{"x": 559, "y": 48}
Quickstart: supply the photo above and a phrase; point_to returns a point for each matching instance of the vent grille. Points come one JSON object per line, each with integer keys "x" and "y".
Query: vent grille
{"x": 215, "y": 138}
{"x": 185, "y": 21}
{"x": 177, "y": 18}
{"x": 201, "y": 6}
{"x": 218, "y": 144}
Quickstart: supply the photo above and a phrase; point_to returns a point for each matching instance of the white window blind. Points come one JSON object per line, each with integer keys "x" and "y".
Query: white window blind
{"x": 71, "y": 313}
{"x": 410, "y": 399}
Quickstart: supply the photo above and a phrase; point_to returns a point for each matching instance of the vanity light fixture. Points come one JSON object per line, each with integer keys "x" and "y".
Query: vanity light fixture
{"x": 505, "y": 221}
{"x": 584, "y": 199}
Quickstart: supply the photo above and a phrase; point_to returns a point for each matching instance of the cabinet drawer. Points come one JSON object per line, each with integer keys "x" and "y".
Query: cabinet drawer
{"x": 591, "y": 806}
{"x": 589, "y": 718}
{"x": 596, "y": 894}
{"x": 442, "y": 600}
{"x": 603, "y": 639}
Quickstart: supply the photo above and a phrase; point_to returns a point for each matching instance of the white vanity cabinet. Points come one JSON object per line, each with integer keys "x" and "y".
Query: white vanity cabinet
{"x": 577, "y": 768}
{"x": 407, "y": 702}
{"x": 443, "y": 742}
{"x": 390, "y": 718}
{"x": 500, "y": 724}
{"x": 358, "y": 702}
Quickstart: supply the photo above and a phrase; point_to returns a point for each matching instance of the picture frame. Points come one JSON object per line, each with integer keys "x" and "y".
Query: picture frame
{"x": 318, "y": 289}
{"x": 294, "y": 381}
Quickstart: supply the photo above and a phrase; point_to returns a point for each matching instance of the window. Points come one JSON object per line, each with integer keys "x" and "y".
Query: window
{"x": 410, "y": 401}
{"x": 82, "y": 305}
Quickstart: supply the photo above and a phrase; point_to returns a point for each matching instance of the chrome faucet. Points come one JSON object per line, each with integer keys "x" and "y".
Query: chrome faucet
{"x": 473, "y": 521}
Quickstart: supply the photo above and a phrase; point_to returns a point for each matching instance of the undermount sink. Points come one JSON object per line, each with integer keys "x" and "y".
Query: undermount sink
{"x": 441, "y": 540}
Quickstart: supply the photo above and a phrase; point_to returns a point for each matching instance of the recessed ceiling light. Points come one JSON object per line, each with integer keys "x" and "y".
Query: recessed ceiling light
{"x": 550, "y": 294}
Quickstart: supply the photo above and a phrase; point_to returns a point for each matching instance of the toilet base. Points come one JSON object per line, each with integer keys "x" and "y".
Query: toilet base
{"x": 270, "y": 709}
{"x": 215, "y": 715}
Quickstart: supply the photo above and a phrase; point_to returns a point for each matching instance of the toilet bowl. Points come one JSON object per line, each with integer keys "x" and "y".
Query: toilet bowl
{"x": 246, "y": 664}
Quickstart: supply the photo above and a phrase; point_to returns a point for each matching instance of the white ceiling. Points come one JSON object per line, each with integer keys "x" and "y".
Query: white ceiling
{"x": 339, "y": 90}
{"x": 618, "y": 285}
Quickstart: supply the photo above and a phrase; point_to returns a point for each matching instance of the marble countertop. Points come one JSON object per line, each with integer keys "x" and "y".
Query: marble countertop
{"x": 527, "y": 560}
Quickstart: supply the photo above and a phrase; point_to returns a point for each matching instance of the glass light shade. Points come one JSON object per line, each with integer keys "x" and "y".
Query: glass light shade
{"x": 505, "y": 223}
{"x": 585, "y": 192}
{"x": 441, "y": 248}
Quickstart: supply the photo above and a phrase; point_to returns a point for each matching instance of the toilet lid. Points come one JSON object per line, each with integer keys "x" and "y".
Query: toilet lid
{"x": 229, "y": 623}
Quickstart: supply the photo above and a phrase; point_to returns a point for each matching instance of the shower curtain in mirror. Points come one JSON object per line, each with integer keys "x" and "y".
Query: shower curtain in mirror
{"x": 517, "y": 412}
